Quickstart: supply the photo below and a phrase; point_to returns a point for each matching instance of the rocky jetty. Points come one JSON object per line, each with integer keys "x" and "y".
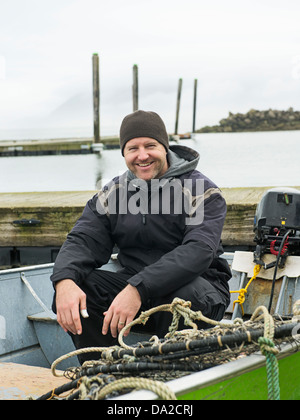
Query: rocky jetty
{"x": 254, "y": 120}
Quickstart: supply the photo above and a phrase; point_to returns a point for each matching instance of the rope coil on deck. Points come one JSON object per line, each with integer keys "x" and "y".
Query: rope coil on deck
{"x": 178, "y": 308}
{"x": 178, "y": 346}
{"x": 159, "y": 388}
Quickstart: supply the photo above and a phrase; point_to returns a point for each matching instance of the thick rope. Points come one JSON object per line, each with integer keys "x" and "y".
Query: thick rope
{"x": 268, "y": 349}
{"x": 178, "y": 308}
{"x": 159, "y": 388}
{"x": 182, "y": 308}
{"x": 242, "y": 292}
{"x": 106, "y": 350}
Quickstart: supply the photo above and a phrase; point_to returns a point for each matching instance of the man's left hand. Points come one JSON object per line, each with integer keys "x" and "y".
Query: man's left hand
{"x": 122, "y": 311}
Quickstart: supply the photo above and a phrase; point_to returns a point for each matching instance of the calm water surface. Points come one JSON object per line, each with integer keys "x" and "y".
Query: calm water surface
{"x": 229, "y": 159}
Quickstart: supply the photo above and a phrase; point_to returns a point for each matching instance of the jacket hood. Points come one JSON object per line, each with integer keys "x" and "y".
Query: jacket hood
{"x": 182, "y": 159}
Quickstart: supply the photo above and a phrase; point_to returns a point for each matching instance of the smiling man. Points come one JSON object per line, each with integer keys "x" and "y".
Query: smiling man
{"x": 146, "y": 158}
{"x": 166, "y": 218}
{"x": 145, "y": 153}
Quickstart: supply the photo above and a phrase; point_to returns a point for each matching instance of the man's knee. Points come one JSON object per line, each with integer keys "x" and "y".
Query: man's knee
{"x": 203, "y": 297}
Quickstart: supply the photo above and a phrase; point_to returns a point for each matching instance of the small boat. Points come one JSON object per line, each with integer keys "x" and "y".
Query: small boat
{"x": 30, "y": 335}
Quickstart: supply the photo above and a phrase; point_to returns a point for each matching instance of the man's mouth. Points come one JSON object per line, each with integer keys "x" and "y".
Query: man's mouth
{"x": 144, "y": 165}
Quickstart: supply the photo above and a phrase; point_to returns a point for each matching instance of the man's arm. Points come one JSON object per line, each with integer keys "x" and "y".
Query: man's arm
{"x": 89, "y": 245}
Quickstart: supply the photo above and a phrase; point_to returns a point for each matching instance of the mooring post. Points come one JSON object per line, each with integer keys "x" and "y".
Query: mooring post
{"x": 195, "y": 105}
{"x": 96, "y": 98}
{"x": 178, "y": 105}
{"x": 135, "y": 88}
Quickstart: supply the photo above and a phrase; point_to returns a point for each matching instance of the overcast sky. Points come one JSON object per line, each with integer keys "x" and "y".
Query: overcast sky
{"x": 245, "y": 54}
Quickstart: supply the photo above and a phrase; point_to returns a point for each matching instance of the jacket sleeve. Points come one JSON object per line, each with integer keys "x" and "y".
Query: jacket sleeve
{"x": 88, "y": 246}
{"x": 190, "y": 259}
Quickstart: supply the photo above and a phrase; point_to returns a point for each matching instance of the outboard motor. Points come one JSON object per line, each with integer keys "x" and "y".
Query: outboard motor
{"x": 277, "y": 229}
{"x": 277, "y": 225}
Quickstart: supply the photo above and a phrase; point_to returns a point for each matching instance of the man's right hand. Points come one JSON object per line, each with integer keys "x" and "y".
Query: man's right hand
{"x": 70, "y": 299}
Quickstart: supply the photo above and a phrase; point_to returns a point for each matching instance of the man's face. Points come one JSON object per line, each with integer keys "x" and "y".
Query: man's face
{"x": 146, "y": 158}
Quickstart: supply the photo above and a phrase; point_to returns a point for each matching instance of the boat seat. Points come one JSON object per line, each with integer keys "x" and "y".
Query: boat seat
{"x": 49, "y": 317}
{"x": 43, "y": 317}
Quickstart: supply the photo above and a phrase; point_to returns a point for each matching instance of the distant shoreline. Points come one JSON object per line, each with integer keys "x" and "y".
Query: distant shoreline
{"x": 254, "y": 120}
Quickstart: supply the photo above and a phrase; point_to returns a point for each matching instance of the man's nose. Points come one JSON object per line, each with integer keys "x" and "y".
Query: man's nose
{"x": 143, "y": 154}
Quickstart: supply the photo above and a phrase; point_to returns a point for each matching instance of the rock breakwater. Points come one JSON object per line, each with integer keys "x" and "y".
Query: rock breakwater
{"x": 254, "y": 120}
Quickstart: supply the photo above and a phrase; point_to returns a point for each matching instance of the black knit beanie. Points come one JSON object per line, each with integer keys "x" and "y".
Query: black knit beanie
{"x": 143, "y": 124}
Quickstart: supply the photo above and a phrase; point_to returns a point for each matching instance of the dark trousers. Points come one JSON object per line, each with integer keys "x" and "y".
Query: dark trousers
{"x": 102, "y": 286}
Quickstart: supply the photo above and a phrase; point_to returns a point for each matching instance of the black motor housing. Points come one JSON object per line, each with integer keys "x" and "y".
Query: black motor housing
{"x": 277, "y": 215}
{"x": 278, "y": 208}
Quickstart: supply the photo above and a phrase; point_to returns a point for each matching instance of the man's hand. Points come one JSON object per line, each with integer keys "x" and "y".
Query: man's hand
{"x": 69, "y": 300}
{"x": 122, "y": 311}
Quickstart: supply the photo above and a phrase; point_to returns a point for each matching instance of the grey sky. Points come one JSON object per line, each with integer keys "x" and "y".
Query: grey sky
{"x": 244, "y": 54}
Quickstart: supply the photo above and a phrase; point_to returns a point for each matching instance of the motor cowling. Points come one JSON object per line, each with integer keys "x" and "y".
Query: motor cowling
{"x": 277, "y": 224}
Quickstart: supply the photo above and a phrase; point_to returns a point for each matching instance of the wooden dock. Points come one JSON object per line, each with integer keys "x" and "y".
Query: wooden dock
{"x": 43, "y": 219}
{"x": 56, "y": 146}
{"x": 65, "y": 146}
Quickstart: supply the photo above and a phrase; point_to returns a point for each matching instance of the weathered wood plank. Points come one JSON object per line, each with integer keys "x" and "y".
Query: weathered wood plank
{"x": 58, "y": 211}
{"x": 241, "y": 207}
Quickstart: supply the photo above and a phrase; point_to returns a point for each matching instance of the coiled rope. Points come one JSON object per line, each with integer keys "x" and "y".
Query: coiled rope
{"x": 242, "y": 292}
{"x": 159, "y": 388}
{"x": 178, "y": 308}
{"x": 182, "y": 308}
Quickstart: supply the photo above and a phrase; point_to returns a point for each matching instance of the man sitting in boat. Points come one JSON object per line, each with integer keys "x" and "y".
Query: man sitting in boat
{"x": 166, "y": 218}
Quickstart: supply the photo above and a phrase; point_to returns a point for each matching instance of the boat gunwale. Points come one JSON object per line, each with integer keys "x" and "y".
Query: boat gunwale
{"x": 229, "y": 256}
{"x": 25, "y": 268}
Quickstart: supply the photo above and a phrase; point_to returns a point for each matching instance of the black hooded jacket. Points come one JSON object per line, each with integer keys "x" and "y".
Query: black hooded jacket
{"x": 167, "y": 231}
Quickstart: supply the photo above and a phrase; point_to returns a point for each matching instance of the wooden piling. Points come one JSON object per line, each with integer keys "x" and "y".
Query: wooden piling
{"x": 135, "y": 88}
{"x": 96, "y": 98}
{"x": 195, "y": 105}
{"x": 178, "y": 105}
